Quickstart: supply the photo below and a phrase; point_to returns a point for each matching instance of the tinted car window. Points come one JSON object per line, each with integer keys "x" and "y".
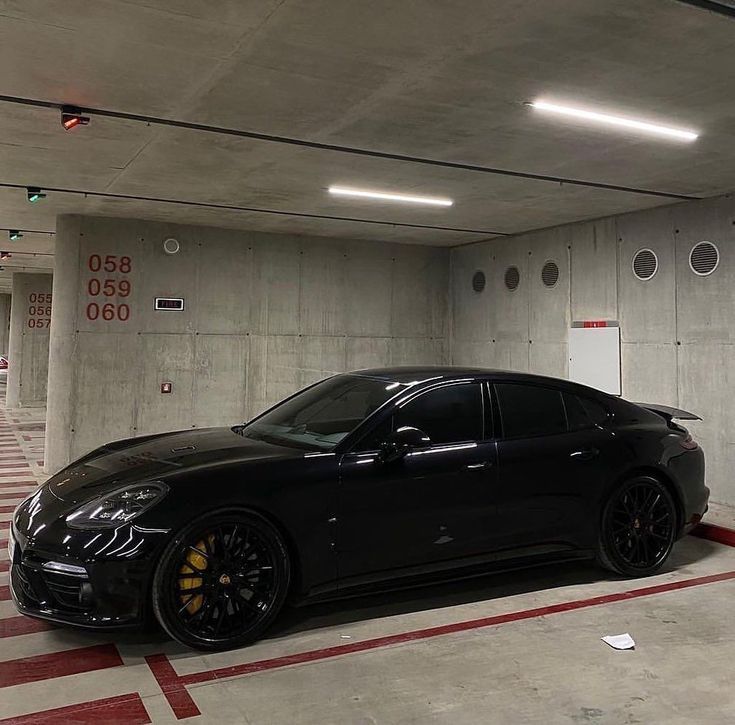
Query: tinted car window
{"x": 583, "y": 412}
{"x": 528, "y": 410}
{"x": 450, "y": 414}
{"x": 321, "y": 416}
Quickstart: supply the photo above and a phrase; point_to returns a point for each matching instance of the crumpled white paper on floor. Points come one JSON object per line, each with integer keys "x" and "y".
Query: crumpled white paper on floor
{"x": 619, "y": 641}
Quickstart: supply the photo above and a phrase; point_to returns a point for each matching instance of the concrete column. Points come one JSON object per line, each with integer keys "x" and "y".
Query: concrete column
{"x": 30, "y": 321}
{"x": 4, "y": 323}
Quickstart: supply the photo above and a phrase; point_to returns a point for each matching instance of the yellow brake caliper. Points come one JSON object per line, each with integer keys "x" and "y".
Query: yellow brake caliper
{"x": 194, "y": 562}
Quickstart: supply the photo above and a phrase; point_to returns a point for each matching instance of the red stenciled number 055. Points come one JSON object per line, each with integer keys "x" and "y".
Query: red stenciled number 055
{"x": 107, "y": 287}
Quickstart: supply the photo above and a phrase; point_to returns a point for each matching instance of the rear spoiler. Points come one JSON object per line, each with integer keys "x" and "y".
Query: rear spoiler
{"x": 669, "y": 413}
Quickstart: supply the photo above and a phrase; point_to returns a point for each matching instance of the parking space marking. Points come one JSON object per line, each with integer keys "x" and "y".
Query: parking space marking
{"x": 58, "y": 664}
{"x": 128, "y": 709}
{"x": 174, "y": 686}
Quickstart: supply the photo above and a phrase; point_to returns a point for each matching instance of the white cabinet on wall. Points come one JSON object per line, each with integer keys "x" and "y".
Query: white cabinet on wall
{"x": 594, "y": 354}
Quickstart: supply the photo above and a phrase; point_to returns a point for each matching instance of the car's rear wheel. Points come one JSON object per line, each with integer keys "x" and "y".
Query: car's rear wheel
{"x": 638, "y": 527}
{"x": 221, "y": 581}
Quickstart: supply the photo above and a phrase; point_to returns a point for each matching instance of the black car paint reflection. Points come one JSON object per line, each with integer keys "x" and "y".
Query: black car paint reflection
{"x": 409, "y": 474}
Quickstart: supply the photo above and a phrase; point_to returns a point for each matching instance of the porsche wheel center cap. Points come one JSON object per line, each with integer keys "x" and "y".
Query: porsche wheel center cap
{"x": 224, "y": 579}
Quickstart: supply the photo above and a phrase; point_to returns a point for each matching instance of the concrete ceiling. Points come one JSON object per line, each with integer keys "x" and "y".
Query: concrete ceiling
{"x": 436, "y": 79}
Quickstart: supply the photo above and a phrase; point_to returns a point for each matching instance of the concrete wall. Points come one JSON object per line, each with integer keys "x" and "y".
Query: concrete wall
{"x": 28, "y": 353}
{"x": 4, "y": 323}
{"x": 264, "y": 315}
{"x": 677, "y": 329}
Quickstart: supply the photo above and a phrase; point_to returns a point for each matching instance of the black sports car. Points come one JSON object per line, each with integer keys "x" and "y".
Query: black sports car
{"x": 361, "y": 480}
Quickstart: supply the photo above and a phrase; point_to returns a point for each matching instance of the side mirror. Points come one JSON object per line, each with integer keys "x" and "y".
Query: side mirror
{"x": 401, "y": 442}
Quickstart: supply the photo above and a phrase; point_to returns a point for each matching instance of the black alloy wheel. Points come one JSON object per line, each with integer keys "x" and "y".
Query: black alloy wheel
{"x": 639, "y": 527}
{"x": 221, "y": 581}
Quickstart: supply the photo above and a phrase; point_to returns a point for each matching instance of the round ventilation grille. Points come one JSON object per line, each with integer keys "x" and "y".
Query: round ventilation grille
{"x": 478, "y": 281}
{"x": 645, "y": 264}
{"x": 704, "y": 258}
{"x": 512, "y": 278}
{"x": 550, "y": 273}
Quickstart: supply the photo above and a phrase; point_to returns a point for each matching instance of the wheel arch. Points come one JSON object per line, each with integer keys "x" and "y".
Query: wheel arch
{"x": 661, "y": 475}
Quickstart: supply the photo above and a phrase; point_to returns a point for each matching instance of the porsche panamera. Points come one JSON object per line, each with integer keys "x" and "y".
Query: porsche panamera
{"x": 364, "y": 480}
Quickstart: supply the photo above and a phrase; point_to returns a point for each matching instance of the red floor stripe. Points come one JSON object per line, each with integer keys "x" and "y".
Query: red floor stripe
{"x": 128, "y": 709}
{"x": 715, "y": 533}
{"x": 18, "y": 484}
{"x": 4, "y": 566}
{"x": 19, "y": 464}
{"x": 173, "y": 685}
{"x": 58, "y": 664}
{"x": 4, "y": 594}
{"x": 12, "y": 474}
{"x": 4, "y": 525}
{"x": 16, "y": 495}
{"x": 7, "y": 509}
{"x": 14, "y": 626}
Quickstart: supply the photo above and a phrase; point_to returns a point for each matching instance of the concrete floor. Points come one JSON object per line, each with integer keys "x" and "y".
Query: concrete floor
{"x": 519, "y": 648}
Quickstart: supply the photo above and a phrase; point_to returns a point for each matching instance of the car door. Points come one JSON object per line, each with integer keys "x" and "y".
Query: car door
{"x": 431, "y": 506}
{"x": 552, "y": 459}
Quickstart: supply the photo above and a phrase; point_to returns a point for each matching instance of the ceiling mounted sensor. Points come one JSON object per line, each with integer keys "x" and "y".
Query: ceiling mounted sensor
{"x": 34, "y": 194}
{"x": 645, "y": 264}
{"x": 72, "y": 117}
{"x": 512, "y": 278}
{"x": 634, "y": 124}
{"x": 704, "y": 258}
{"x": 550, "y": 273}
{"x": 171, "y": 246}
{"x": 389, "y": 196}
{"x": 478, "y": 281}
{"x": 14, "y": 235}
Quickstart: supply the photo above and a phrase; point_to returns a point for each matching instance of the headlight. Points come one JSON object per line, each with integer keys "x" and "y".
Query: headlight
{"x": 117, "y": 507}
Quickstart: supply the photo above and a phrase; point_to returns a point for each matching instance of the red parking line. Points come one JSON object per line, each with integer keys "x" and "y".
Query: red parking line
{"x": 4, "y": 525}
{"x": 17, "y": 495}
{"x": 13, "y": 474}
{"x": 58, "y": 664}
{"x": 179, "y": 699}
{"x": 128, "y": 709}
{"x": 7, "y": 509}
{"x": 4, "y": 594}
{"x": 20, "y": 464}
{"x": 14, "y": 626}
{"x": 173, "y": 686}
{"x": 715, "y": 533}
{"x": 4, "y": 566}
{"x": 18, "y": 484}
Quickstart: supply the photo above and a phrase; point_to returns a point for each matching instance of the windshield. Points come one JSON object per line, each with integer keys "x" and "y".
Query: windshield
{"x": 321, "y": 416}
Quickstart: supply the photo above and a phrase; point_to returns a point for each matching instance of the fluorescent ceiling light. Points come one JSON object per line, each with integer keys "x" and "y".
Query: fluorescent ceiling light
{"x": 595, "y": 117}
{"x": 387, "y": 196}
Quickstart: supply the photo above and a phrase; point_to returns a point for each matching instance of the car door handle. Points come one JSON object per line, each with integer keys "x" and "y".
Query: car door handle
{"x": 478, "y": 466}
{"x": 586, "y": 454}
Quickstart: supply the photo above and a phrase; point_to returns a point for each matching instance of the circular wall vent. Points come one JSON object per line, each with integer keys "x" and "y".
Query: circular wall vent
{"x": 645, "y": 264}
{"x": 550, "y": 273}
{"x": 171, "y": 246}
{"x": 512, "y": 278}
{"x": 704, "y": 258}
{"x": 478, "y": 281}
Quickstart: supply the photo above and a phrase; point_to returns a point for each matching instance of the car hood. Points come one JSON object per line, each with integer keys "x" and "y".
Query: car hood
{"x": 159, "y": 456}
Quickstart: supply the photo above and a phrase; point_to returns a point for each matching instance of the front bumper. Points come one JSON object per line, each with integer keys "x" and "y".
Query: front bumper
{"x": 92, "y": 579}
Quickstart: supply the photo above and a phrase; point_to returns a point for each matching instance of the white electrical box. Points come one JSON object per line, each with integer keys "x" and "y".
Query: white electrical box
{"x": 594, "y": 354}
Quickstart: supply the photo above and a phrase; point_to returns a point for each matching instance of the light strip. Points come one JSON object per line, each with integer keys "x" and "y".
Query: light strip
{"x": 678, "y": 133}
{"x": 386, "y": 196}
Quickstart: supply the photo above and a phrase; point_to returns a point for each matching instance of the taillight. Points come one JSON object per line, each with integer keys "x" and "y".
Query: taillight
{"x": 689, "y": 443}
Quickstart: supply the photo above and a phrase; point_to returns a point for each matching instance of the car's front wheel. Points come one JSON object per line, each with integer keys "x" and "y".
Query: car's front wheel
{"x": 221, "y": 581}
{"x": 638, "y": 527}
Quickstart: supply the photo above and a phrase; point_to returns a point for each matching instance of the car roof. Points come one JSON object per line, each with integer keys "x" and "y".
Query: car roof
{"x": 425, "y": 373}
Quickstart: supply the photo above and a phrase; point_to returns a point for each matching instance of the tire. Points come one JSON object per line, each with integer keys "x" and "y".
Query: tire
{"x": 221, "y": 581}
{"x": 638, "y": 527}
